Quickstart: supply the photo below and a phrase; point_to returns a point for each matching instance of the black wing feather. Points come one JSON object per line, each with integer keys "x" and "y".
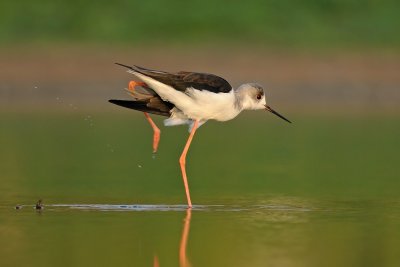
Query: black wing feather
{"x": 184, "y": 80}
{"x": 153, "y": 105}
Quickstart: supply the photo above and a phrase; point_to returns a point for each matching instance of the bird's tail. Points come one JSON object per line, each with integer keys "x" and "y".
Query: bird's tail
{"x": 144, "y": 99}
{"x": 154, "y": 105}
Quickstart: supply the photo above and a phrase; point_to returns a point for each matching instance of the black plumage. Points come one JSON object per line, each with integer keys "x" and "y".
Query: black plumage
{"x": 153, "y": 105}
{"x": 184, "y": 80}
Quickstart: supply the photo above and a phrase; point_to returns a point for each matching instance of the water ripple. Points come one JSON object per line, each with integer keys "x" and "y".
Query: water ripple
{"x": 161, "y": 207}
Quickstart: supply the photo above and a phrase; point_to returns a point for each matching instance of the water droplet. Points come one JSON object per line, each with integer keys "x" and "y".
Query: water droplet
{"x": 154, "y": 155}
{"x": 139, "y": 166}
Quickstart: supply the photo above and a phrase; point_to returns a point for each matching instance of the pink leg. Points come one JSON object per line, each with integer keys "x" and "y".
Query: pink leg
{"x": 183, "y": 260}
{"x": 157, "y": 132}
{"x": 182, "y": 162}
{"x": 156, "y": 136}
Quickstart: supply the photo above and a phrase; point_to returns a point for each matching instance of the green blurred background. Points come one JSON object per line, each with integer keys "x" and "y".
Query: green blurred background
{"x": 332, "y": 177}
{"x": 293, "y": 24}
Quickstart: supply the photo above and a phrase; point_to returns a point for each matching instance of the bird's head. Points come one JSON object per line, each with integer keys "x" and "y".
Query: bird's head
{"x": 252, "y": 96}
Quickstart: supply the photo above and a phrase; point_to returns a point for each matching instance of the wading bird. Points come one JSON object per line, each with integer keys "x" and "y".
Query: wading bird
{"x": 189, "y": 98}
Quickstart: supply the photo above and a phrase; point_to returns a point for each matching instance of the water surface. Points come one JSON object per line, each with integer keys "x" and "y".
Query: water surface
{"x": 321, "y": 192}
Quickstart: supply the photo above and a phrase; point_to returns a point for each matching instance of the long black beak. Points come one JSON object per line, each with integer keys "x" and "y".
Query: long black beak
{"x": 276, "y": 113}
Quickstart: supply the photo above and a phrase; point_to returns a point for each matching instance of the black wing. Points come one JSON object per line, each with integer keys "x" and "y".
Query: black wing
{"x": 184, "y": 80}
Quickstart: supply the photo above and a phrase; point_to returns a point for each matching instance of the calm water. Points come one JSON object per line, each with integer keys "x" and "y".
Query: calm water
{"x": 321, "y": 192}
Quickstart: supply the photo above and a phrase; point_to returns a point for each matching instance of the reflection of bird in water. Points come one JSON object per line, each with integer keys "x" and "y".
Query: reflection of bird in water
{"x": 183, "y": 260}
{"x": 155, "y": 262}
{"x": 190, "y": 98}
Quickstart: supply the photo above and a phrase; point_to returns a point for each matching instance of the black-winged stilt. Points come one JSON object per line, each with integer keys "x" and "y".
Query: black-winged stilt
{"x": 189, "y": 98}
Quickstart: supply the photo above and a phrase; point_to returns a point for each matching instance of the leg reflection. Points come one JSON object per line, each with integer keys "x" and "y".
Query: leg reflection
{"x": 155, "y": 262}
{"x": 183, "y": 260}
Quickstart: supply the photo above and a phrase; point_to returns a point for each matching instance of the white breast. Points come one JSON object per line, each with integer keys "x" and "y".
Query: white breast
{"x": 207, "y": 105}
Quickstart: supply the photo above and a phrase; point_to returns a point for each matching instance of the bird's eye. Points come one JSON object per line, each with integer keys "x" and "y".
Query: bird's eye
{"x": 258, "y": 97}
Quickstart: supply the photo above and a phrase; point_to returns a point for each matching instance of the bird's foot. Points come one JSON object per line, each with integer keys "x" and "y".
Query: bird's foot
{"x": 132, "y": 85}
{"x": 156, "y": 133}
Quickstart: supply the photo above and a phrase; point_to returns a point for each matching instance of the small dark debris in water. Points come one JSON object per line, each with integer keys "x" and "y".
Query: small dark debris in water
{"x": 18, "y": 207}
{"x": 39, "y": 205}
